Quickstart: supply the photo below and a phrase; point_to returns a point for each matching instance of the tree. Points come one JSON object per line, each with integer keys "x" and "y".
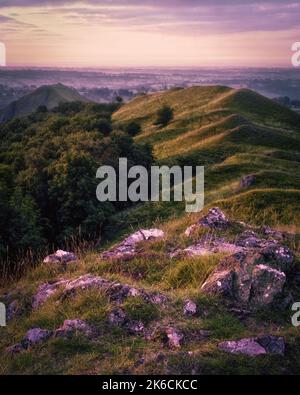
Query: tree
{"x": 133, "y": 128}
{"x": 164, "y": 115}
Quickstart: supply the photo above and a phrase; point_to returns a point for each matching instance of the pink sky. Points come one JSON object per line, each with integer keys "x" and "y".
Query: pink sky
{"x": 191, "y": 33}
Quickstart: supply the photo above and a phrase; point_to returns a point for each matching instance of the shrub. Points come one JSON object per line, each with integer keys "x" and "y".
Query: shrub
{"x": 164, "y": 115}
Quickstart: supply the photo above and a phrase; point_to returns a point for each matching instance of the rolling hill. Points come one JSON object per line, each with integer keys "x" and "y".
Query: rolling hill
{"x": 49, "y": 95}
{"x": 138, "y": 307}
{"x": 234, "y": 134}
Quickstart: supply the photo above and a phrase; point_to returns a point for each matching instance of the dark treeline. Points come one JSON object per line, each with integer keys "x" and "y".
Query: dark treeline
{"x": 48, "y": 164}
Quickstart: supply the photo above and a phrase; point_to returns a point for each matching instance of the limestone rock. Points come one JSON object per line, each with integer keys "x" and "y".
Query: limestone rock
{"x": 248, "y": 347}
{"x": 190, "y": 308}
{"x": 60, "y": 256}
{"x": 266, "y": 284}
{"x": 253, "y": 347}
{"x": 215, "y": 219}
{"x": 73, "y": 327}
{"x": 272, "y": 344}
{"x": 175, "y": 337}
{"x": 278, "y": 257}
{"x": 127, "y": 248}
{"x": 45, "y": 291}
{"x": 35, "y": 336}
{"x": 245, "y": 280}
{"x": 117, "y": 317}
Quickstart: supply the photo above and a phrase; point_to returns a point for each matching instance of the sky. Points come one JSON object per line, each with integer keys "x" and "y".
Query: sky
{"x": 149, "y": 33}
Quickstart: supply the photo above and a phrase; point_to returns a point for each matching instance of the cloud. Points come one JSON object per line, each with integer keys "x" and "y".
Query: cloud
{"x": 186, "y": 17}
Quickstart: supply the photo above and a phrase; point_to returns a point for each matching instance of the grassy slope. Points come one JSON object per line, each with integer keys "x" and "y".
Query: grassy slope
{"x": 233, "y": 133}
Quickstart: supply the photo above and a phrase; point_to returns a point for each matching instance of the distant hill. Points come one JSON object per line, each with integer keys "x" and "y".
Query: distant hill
{"x": 49, "y": 95}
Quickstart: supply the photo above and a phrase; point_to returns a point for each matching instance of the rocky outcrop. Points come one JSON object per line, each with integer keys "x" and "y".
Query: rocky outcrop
{"x": 255, "y": 346}
{"x": 246, "y": 279}
{"x": 60, "y": 257}
{"x": 37, "y": 336}
{"x": 45, "y": 291}
{"x": 207, "y": 246}
{"x": 116, "y": 291}
{"x": 127, "y": 249}
{"x": 215, "y": 219}
{"x": 256, "y": 270}
{"x": 33, "y": 337}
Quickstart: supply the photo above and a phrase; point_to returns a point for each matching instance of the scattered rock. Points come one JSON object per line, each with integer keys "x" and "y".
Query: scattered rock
{"x": 35, "y": 336}
{"x": 73, "y": 327}
{"x": 190, "y": 308}
{"x": 45, "y": 291}
{"x": 13, "y": 310}
{"x": 135, "y": 327}
{"x": 116, "y": 291}
{"x": 272, "y": 344}
{"x": 175, "y": 337}
{"x": 61, "y": 256}
{"x": 255, "y": 346}
{"x": 207, "y": 247}
{"x": 15, "y": 349}
{"x": 126, "y": 250}
{"x": 247, "y": 181}
{"x": 117, "y": 317}
{"x": 215, "y": 219}
{"x": 248, "y": 347}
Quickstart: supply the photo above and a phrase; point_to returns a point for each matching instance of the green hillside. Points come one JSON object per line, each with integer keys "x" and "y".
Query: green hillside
{"x": 128, "y": 304}
{"x": 49, "y": 95}
{"x": 233, "y": 133}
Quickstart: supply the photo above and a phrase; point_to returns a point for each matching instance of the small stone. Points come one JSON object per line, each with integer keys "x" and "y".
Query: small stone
{"x": 35, "y": 336}
{"x": 126, "y": 250}
{"x": 61, "y": 256}
{"x": 248, "y": 347}
{"x": 72, "y": 327}
{"x": 13, "y": 310}
{"x": 135, "y": 327}
{"x": 175, "y": 337}
{"x": 247, "y": 181}
{"x": 272, "y": 344}
{"x": 117, "y": 317}
{"x": 215, "y": 219}
{"x": 190, "y": 308}
{"x": 15, "y": 349}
